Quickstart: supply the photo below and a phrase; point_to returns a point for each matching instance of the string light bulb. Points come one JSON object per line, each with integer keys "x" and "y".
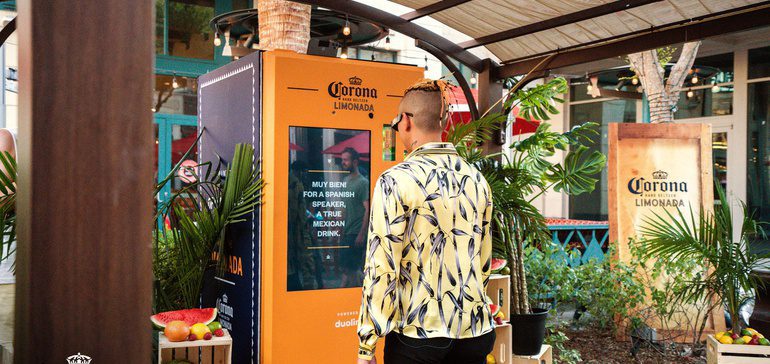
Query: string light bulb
{"x": 217, "y": 40}
{"x": 690, "y": 94}
{"x": 346, "y": 29}
{"x": 426, "y": 63}
{"x": 473, "y": 79}
{"x": 174, "y": 82}
{"x": 589, "y": 87}
{"x": 715, "y": 88}
{"x": 694, "y": 79}
{"x": 387, "y": 43}
{"x": 344, "y": 53}
{"x": 635, "y": 81}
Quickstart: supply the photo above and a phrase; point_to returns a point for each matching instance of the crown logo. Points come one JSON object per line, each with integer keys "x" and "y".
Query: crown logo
{"x": 355, "y": 80}
{"x": 78, "y": 359}
{"x": 659, "y": 175}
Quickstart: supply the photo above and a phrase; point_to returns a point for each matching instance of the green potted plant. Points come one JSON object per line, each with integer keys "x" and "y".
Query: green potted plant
{"x": 707, "y": 237}
{"x": 196, "y": 226}
{"x": 517, "y": 180}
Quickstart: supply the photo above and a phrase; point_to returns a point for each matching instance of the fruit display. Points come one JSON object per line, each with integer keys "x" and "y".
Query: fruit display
{"x": 747, "y": 336}
{"x": 498, "y": 264}
{"x": 497, "y": 313}
{"x": 176, "y": 331}
{"x": 491, "y": 359}
{"x": 200, "y": 330}
{"x": 191, "y": 324}
{"x": 190, "y": 316}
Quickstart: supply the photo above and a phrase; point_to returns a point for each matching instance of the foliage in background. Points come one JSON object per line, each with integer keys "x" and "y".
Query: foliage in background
{"x": 515, "y": 182}
{"x": 183, "y": 252}
{"x": 664, "y": 280}
{"x": 561, "y": 353}
{"x": 708, "y": 238}
{"x": 608, "y": 291}
{"x": 8, "y": 206}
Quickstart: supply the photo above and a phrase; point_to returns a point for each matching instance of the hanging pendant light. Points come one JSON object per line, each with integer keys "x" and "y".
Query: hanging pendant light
{"x": 346, "y": 29}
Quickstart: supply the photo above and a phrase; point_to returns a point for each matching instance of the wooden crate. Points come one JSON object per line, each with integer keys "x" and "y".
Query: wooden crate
{"x": 499, "y": 291}
{"x": 218, "y": 350}
{"x": 544, "y": 357}
{"x": 718, "y": 353}
{"x": 502, "y": 349}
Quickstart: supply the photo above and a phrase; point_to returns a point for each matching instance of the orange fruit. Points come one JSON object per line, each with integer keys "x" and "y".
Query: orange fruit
{"x": 176, "y": 331}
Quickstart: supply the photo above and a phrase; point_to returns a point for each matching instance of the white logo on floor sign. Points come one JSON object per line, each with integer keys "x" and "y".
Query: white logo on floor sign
{"x": 78, "y": 359}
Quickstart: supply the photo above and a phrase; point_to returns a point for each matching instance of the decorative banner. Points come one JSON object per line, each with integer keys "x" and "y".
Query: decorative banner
{"x": 187, "y": 171}
{"x": 654, "y": 167}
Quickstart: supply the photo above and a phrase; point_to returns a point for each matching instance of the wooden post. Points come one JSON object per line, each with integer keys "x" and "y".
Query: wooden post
{"x": 85, "y": 181}
{"x": 490, "y": 92}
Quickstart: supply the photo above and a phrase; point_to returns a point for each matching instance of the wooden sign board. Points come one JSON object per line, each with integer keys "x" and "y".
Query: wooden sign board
{"x": 654, "y": 167}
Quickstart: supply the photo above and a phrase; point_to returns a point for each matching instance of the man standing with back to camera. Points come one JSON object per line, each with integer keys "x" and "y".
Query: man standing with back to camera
{"x": 429, "y": 247}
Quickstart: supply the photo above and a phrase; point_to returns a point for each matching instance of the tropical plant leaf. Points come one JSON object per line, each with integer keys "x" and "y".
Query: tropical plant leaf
{"x": 576, "y": 175}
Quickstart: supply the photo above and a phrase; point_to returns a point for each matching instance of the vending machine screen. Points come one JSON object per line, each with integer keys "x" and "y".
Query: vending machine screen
{"x": 329, "y": 181}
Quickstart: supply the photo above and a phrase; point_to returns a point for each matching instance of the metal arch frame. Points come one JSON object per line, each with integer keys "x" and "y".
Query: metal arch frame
{"x": 403, "y": 26}
{"x": 464, "y": 86}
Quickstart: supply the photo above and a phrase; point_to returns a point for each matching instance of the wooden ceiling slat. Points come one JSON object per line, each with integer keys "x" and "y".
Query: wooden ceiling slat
{"x": 431, "y": 9}
{"x": 558, "y": 21}
{"x": 746, "y": 18}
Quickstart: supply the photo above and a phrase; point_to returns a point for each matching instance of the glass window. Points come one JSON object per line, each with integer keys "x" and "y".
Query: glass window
{"x": 328, "y": 202}
{"x": 182, "y": 138}
{"x": 758, "y": 178}
{"x": 160, "y": 20}
{"x": 186, "y": 27}
{"x": 717, "y": 68}
{"x": 593, "y": 206}
{"x": 712, "y": 101}
{"x": 759, "y": 62}
{"x": 175, "y": 95}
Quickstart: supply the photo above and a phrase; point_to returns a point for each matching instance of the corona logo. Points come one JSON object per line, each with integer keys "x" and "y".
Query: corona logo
{"x": 355, "y": 81}
{"x": 78, "y": 359}
{"x": 659, "y": 175}
{"x": 338, "y": 90}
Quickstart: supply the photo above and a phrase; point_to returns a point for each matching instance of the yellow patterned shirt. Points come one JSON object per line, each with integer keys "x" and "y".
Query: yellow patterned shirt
{"x": 429, "y": 251}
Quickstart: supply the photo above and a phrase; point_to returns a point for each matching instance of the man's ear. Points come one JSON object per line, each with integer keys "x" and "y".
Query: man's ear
{"x": 406, "y": 123}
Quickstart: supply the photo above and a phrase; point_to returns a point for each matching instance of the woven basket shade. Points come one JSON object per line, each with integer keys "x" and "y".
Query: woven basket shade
{"x": 283, "y": 25}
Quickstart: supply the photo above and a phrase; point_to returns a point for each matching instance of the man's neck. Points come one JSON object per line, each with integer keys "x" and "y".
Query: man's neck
{"x": 422, "y": 140}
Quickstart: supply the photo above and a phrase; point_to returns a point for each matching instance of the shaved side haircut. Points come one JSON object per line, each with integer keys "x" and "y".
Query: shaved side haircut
{"x": 427, "y": 101}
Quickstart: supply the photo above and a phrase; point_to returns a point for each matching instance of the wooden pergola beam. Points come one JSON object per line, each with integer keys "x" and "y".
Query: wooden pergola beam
{"x": 558, "y": 21}
{"x": 716, "y": 24}
{"x": 85, "y": 204}
{"x": 432, "y": 9}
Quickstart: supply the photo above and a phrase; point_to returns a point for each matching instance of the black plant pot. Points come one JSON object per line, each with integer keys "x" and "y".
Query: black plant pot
{"x": 528, "y": 332}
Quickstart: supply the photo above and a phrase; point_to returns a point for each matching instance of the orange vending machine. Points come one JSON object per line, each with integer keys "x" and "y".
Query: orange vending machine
{"x": 320, "y": 127}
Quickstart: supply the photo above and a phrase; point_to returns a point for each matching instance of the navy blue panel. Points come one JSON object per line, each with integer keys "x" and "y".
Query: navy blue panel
{"x": 230, "y": 111}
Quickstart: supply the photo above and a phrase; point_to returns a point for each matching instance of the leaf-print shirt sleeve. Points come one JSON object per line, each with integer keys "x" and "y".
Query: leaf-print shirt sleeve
{"x": 486, "y": 237}
{"x": 380, "y": 298}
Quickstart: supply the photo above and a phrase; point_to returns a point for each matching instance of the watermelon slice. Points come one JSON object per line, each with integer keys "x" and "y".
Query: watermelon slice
{"x": 498, "y": 263}
{"x": 494, "y": 308}
{"x": 190, "y": 316}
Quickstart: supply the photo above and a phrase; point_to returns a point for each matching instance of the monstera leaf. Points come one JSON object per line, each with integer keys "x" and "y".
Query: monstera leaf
{"x": 576, "y": 174}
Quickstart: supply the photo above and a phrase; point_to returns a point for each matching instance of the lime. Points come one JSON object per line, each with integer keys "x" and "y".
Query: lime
{"x": 214, "y": 326}
{"x": 763, "y": 341}
{"x": 739, "y": 341}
